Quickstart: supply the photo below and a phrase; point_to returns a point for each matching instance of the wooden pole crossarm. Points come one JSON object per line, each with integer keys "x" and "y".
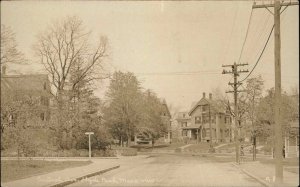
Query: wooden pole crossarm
{"x": 272, "y": 5}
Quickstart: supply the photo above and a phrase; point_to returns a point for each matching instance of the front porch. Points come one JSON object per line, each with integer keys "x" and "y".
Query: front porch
{"x": 196, "y": 134}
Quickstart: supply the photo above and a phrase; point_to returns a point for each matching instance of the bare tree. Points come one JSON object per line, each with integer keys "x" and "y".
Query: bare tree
{"x": 254, "y": 94}
{"x": 71, "y": 60}
{"x": 66, "y": 44}
{"x": 9, "y": 51}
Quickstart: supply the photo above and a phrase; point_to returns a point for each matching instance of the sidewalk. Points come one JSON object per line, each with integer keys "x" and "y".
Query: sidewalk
{"x": 265, "y": 173}
{"x": 66, "y": 176}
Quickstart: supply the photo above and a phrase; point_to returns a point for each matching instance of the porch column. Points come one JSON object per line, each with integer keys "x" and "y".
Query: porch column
{"x": 200, "y": 133}
{"x": 135, "y": 139}
{"x": 297, "y": 149}
{"x": 285, "y": 146}
{"x": 197, "y": 136}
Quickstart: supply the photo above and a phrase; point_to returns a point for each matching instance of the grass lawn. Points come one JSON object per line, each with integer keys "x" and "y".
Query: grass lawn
{"x": 201, "y": 147}
{"x": 292, "y": 169}
{"x": 286, "y": 161}
{"x": 171, "y": 146}
{"x": 14, "y": 169}
{"x": 228, "y": 146}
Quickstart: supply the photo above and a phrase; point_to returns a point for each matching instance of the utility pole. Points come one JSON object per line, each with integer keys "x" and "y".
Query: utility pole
{"x": 235, "y": 85}
{"x": 277, "y": 56}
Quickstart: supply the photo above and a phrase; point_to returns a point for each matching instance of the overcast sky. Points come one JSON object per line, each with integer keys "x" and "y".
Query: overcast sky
{"x": 156, "y": 39}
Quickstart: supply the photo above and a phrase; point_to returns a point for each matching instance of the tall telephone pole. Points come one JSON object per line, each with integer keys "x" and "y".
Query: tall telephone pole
{"x": 278, "y": 122}
{"x": 235, "y": 85}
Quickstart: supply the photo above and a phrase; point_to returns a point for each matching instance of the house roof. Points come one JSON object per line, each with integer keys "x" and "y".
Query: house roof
{"x": 165, "y": 107}
{"x": 33, "y": 82}
{"x": 215, "y": 106}
{"x": 183, "y": 116}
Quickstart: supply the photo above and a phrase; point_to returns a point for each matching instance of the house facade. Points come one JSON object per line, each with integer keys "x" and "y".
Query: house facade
{"x": 206, "y": 113}
{"x": 35, "y": 88}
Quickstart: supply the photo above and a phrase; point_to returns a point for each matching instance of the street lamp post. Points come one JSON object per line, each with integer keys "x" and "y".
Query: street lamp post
{"x": 90, "y": 151}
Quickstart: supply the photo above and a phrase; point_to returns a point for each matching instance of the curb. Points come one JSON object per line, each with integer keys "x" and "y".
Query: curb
{"x": 70, "y": 181}
{"x": 264, "y": 183}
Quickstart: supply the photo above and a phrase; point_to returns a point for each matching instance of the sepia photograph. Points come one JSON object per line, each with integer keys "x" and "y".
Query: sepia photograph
{"x": 149, "y": 93}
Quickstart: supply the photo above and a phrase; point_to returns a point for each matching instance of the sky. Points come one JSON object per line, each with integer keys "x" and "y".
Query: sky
{"x": 176, "y": 49}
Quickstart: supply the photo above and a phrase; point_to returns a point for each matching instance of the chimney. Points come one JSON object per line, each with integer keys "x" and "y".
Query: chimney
{"x": 3, "y": 70}
{"x": 210, "y": 96}
{"x": 203, "y": 94}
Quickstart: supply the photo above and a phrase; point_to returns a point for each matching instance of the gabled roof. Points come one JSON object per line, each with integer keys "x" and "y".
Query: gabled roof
{"x": 215, "y": 106}
{"x": 165, "y": 108}
{"x": 183, "y": 116}
{"x": 38, "y": 83}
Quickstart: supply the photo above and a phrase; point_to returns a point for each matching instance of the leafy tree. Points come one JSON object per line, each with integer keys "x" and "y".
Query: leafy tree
{"x": 19, "y": 113}
{"x": 122, "y": 113}
{"x": 152, "y": 124}
{"x": 254, "y": 89}
{"x": 265, "y": 113}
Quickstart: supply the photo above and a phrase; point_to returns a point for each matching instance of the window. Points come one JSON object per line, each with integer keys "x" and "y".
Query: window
{"x": 42, "y": 116}
{"x": 205, "y": 119}
{"x": 197, "y": 120}
{"x": 213, "y": 119}
{"x": 183, "y": 115}
{"x": 45, "y": 86}
{"x": 184, "y": 124}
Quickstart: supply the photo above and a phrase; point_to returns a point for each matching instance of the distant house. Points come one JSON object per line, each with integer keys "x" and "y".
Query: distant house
{"x": 292, "y": 140}
{"x": 184, "y": 121}
{"x": 195, "y": 123}
{"x": 34, "y": 86}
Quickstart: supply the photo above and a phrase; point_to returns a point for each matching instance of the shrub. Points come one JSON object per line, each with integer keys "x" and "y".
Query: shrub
{"x": 127, "y": 152}
{"x": 104, "y": 153}
{"x": 178, "y": 150}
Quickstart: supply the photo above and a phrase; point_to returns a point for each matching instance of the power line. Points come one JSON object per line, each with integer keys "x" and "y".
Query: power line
{"x": 259, "y": 55}
{"x": 249, "y": 23}
{"x": 230, "y": 37}
{"x": 180, "y": 73}
{"x": 257, "y": 38}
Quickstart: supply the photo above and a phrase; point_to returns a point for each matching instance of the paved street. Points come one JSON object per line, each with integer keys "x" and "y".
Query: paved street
{"x": 171, "y": 170}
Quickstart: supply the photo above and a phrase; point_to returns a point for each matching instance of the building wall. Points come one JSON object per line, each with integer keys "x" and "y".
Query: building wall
{"x": 196, "y": 113}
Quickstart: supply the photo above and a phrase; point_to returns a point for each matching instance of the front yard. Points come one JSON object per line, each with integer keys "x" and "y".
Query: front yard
{"x": 13, "y": 169}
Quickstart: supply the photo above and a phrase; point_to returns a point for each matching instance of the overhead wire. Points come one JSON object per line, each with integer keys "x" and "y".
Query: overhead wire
{"x": 257, "y": 39}
{"x": 179, "y": 73}
{"x": 249, "y": 23}
{"x": 231, "y": 32}
{"x": 259, "y": 55}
